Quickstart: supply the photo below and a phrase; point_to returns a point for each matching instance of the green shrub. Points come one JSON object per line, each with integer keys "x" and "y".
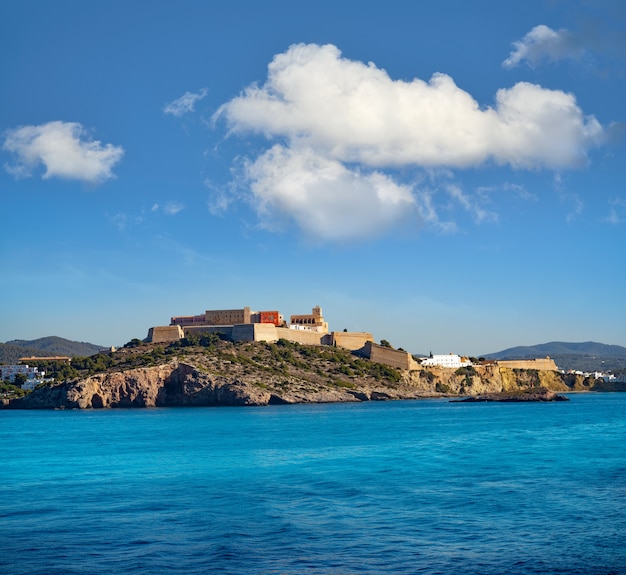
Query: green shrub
{"x": 344, "y": 384}
{"x": 429, "y": 376}
{"x": 467, "y": 370}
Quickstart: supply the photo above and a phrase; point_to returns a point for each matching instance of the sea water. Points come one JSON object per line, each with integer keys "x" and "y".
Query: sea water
{"x": 382, "y": 487}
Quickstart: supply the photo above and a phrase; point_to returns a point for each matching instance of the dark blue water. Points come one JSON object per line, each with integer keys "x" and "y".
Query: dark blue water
{"x": 396, "y": 487}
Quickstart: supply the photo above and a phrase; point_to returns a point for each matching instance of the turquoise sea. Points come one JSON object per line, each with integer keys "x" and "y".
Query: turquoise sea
{"x": 382, "y": 487}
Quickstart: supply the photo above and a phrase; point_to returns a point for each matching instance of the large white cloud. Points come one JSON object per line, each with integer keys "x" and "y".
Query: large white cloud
{"x": 65, "y": 151}
{"x": 356, "y": 113}
{"x": 348, "y": 113}
{"x": 544, "y": 43}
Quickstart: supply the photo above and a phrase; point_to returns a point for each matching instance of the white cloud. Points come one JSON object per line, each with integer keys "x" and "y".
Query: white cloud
{"x": 325, "y": 198}
{"x": 186, "y": 103}
{"x": 429, "y": 213}
{"x": 64, "y": 150}
{"x": 169, "y": 208}
{"x": 119, "y": 220}
{"x": 617, "y": 211}
{"x": 543, "y": 43}
{"x": 342, "y": 122}
{"x": 472, "y": 205}
{"x": 221, "y": 197}
{"x": 355, "y": 112}
{"x": 520, "y": 191}
{"x": 172, "y": 208}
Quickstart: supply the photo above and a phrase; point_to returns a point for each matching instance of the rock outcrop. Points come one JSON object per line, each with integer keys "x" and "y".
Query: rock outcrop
{"x": 172, "y": 384}
{"x": 481, "y": 379}
{"x": 274, "y": 374}
{"x": 534, "y": 394}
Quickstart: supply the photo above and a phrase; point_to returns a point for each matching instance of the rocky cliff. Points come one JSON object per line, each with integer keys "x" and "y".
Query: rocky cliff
{"x": 483, "y": 379}
{"x": 173, "y": 384}
{"x": 183, "y": 384}
{"x": 216, "y": 372}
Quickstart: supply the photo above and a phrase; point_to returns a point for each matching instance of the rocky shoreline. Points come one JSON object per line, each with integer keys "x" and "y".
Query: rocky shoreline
{"x": 255, "y": 374}
{"x": 534, "y": 394}
{"x": 184, "y": 385}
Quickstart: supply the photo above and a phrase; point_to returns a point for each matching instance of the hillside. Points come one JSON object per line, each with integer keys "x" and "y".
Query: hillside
{"x": 12, "y": 350}
{"x": 587, "y": 356}
{"x": 209, "y": 371}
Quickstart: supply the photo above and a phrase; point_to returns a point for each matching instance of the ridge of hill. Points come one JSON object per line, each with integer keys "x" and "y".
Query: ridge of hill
{"x": 584, "y": 356}
{"x": 207, "y": 371}
{"x": 12, "y": 350}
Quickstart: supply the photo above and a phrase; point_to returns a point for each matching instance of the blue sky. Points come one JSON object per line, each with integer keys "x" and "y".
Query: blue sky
{"x": 446, "y": 175}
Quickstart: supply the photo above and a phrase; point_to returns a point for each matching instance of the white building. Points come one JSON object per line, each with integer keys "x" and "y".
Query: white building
{"x": 33, "y": 375}
{"x": 450, "y": 361}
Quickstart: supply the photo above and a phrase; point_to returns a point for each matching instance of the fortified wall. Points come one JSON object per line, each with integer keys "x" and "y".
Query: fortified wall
{"x": 265, "y": 332}
{"x": 307, "y": 329}
{"x": 302, "y": 336}
{"x": 389, "y": 356}
{"x": 165, "y": 333}
{"x": 352, "y": 340}
{"x": 542, "y": 364}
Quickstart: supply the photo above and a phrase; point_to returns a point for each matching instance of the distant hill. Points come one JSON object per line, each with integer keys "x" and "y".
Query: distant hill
{"x": 586, "y": 356}
{"x": 12, "y": 350}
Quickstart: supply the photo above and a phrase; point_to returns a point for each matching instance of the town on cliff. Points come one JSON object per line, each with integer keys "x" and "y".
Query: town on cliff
{"x": 245, "y": 357}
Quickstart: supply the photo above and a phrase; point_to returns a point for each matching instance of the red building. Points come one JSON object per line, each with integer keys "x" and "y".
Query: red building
{"x": 270, "y": 317}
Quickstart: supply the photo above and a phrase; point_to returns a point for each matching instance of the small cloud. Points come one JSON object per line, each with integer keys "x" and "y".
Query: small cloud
{"x": 520, "y": 191}
{"x": 123, "y": 221}
{"x": 169, "y": 208}
{"x": 543, "y": 43}
{"x": 65, "y": 151}
{"x": 428, "y": 213}
{"x": 172, "y": 208}
{"x": 185, "y": 104}
{"x": 221, "y": 197}
{"x": 120, "y": 221}
{"x": 472, "y": 205}
{"x": 617, "y": 211}
{"x": 575, "y": 204}
{"x": 576, "y": 207}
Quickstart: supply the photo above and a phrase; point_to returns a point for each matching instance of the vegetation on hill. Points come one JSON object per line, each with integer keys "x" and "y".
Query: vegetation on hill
{"x": 54, "y": 345}
{"x": 10, "y": 354}
{"x": 208, "y": 370}
{"x": 283, "y": 359}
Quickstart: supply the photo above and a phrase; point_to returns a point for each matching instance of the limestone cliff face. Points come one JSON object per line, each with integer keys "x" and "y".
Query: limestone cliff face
{"x": 187, "y": 386}
{"x": 165, "y": 385}
{"x": 485, "y": 379}
{"x": 181, "y": 384}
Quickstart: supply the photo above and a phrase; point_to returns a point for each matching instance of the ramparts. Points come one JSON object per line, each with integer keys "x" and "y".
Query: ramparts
{"x": 352, "y": 340}
{"x": 165, "y": 333}
{"x": 389, "y": 356}
{"x": 542, "y": 364}
{"x": 303, "y": 336}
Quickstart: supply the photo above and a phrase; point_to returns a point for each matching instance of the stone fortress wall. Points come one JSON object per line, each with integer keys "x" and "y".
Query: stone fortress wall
{"x": 246, "y": 325}
{"x": 389, "y": 356}
{"x": 352, "y": 340}
{"x": 165, "y": 333}
{"x": 307, "y": 329}
{"x": 542, "y": 364}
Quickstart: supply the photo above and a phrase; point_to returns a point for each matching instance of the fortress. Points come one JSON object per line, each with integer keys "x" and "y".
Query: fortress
{"x": 240, "y": 325}
{"x": 247, "y": 325}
